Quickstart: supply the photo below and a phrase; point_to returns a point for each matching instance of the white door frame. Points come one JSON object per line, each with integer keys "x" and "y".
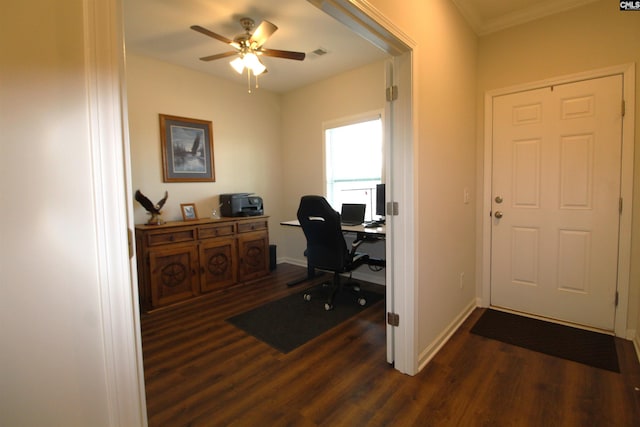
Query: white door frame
{"x": 626, "y": 183}
{"x": 107, "y": 117}
{"x": 369, "y": 23}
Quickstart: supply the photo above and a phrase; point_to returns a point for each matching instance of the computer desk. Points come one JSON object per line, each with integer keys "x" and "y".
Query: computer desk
{"x": 362, "y": 232}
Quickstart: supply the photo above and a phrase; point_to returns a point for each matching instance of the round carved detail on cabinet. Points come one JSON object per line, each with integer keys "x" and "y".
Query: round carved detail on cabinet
{"x": 254, "y": 256}
{"x": 173, "y": 274}
{"x": 218, "y": 264}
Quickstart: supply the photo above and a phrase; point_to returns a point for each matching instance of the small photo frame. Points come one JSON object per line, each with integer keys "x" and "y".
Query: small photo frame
{"x": 187, "y": 149}
{"x": 189, "y": 212}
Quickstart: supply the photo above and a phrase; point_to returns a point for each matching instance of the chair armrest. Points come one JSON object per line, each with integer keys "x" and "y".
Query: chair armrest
{"x": 354, "y": 246}
{"x": 357, "y": 260}
{"x": 360, "y": 256}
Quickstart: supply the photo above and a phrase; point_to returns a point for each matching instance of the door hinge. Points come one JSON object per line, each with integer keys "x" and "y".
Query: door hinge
{"x": 392, "y": 208}
{"x": 624, "y": 108}
{"x": 393, "y": 319}
{"x": 620, "y": 205}
{"x": 392, "y": 93}
{"x": 617, "y": 298}
{"x": 130, "y": 241}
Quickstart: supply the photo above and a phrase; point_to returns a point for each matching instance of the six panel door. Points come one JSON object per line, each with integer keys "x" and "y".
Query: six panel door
{"x": 555, "y": 201}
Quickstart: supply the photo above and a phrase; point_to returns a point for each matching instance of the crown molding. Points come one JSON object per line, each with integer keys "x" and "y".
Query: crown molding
{"x": 471, "y": 10}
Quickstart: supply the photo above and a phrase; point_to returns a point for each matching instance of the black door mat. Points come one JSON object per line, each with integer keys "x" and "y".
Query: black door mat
{"x": 586, "y": 347}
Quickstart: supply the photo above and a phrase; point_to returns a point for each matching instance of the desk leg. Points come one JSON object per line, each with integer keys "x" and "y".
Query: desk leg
{"x": 311, "y": 274}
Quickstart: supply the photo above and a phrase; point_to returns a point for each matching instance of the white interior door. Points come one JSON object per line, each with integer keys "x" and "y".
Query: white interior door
{"x": 556, "y": 192}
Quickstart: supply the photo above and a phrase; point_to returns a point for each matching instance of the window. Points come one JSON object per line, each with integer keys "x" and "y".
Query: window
{"x": 353, "y": 155}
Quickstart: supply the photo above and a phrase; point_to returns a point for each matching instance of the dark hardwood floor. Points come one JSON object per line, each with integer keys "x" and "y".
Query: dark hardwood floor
{"x": 202, "y": 371}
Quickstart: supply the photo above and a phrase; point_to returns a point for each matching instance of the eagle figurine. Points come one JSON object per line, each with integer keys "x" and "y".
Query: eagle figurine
{"x": 153, "y": 210}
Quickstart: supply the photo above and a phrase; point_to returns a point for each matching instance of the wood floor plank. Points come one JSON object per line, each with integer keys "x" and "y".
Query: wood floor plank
{"x": 202, "y": 371}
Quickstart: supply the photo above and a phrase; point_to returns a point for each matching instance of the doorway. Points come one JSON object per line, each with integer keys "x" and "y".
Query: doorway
{"x": 352, "y": 14}
{"x": 398, "y": 155}
{"x": 558, "y": 175}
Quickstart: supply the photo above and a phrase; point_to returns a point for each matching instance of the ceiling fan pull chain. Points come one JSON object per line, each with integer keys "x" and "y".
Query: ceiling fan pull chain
{"x": 249, "y": 80}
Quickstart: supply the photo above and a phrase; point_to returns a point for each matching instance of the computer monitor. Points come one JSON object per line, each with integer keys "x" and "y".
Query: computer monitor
{"x": 380, "y": 200}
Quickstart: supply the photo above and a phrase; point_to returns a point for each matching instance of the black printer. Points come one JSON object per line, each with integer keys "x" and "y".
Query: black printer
{"x": 241, "y": 204}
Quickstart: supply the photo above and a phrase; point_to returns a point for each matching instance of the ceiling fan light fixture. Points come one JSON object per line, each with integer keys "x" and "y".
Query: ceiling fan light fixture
{"x": 251, "y": 62}
{"x": 249, "y": 46}
{"x": 238, "y": 65}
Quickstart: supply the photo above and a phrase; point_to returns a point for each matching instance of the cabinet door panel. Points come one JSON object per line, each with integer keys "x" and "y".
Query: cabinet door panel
{"x": 173, "y": 275}
{"x": 217, "y": 264}
{"x": 254, "y": 255}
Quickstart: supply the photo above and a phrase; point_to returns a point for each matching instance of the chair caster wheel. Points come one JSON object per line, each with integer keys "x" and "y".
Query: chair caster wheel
{"x": 328, "y": 306}
{"x": 307, "y": 297}
{"x": 362, "y": 301}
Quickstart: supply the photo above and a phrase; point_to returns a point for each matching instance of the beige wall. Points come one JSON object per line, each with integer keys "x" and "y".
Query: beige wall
{"x": 595, "y": 36}
{"x": 246, "y": 133}
{"x": 445, "y": 162}
{"x": 54, "y": 367}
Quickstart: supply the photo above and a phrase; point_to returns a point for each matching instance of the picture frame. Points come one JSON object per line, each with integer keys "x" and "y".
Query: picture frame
{"x": 189, "y": 212}
{"x": 187, "y": 149}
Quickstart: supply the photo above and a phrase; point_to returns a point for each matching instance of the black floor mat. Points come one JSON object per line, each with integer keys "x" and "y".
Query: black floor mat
{"x": 590, "y": 348}
{"x": 290, "y": 322}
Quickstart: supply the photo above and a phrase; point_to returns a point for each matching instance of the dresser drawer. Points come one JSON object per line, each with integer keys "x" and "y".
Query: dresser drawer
{"x": 173, "y": 236}
{"x": 248, "y": 226}
{"x": 218, "y": 230}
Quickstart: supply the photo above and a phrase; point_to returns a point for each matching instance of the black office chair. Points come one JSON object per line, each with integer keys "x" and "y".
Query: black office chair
{"x": 326, "y": 247}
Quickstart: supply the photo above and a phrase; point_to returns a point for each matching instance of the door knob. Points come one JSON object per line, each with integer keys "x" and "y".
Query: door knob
{"x": 498, "y": 199}
{"x": 498, "y": 214}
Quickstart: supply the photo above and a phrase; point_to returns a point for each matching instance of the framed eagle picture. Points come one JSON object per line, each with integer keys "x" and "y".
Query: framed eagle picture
{"x": 187, "y": 149}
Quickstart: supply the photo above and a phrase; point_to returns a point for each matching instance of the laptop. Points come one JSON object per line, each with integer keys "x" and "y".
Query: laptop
{"x": 352, "y": 213}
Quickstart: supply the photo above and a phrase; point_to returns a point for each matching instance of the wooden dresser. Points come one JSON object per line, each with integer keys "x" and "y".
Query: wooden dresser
{"x": 178, "y": 261}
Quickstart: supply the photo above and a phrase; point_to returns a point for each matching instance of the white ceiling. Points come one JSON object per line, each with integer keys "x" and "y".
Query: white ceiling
{"x": 160, "y": 29}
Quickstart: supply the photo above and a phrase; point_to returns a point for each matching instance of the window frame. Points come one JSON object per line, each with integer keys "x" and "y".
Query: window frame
{"x": 348, "y": 121}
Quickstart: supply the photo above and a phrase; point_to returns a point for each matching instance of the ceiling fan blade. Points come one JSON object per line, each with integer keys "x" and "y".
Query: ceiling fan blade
{"x": 262, "y": 33}
{"x": 210, "y": 33}
{"x": 218, "y": 56}
{"x": 286, "y": 54}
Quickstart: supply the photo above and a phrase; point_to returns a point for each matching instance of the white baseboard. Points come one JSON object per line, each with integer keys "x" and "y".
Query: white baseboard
{"x": 442, "y": 339}
{"x": 294, "y": 261}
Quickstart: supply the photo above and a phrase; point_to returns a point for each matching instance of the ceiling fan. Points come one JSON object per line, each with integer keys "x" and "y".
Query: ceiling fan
{"x": 249, "y": 47}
